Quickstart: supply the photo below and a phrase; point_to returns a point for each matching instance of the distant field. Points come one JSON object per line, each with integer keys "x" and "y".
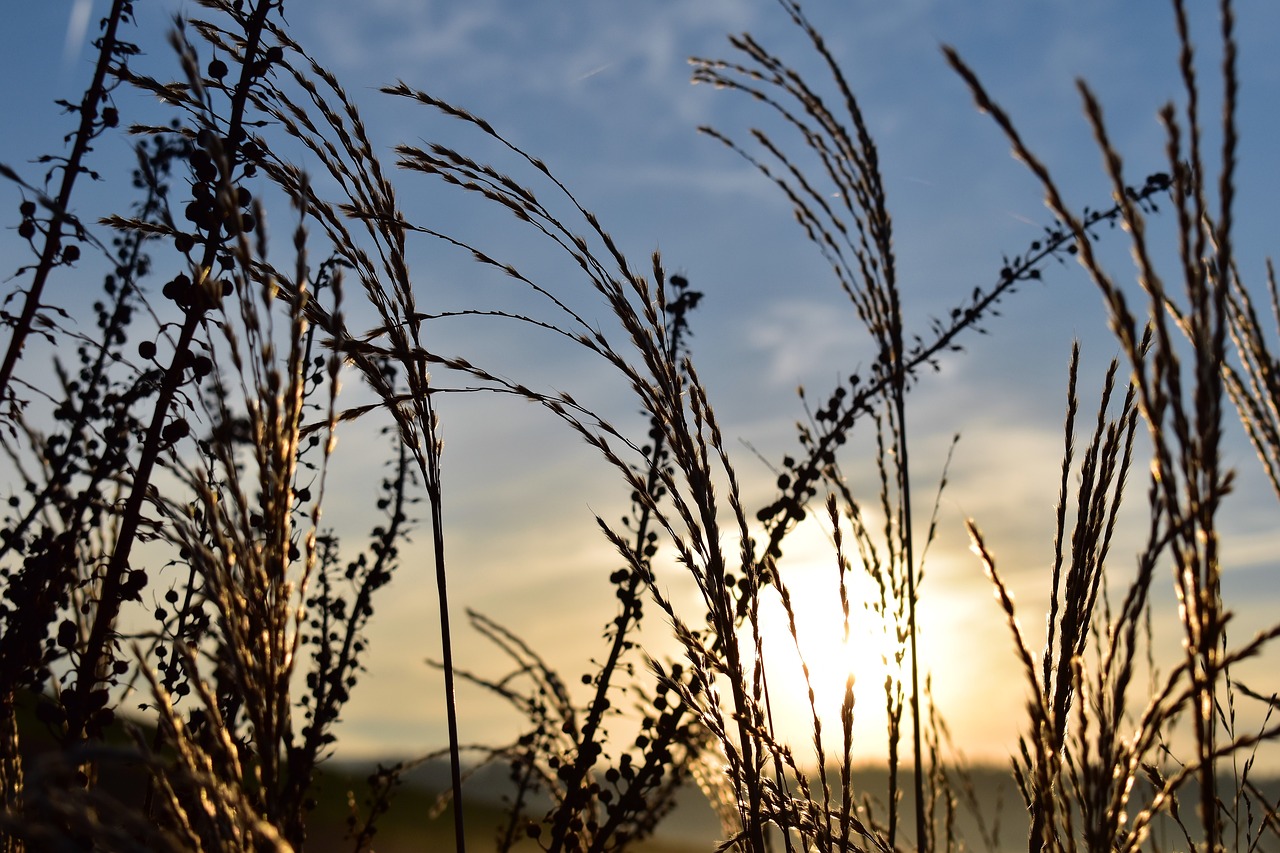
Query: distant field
{"x": 691, "y": 827}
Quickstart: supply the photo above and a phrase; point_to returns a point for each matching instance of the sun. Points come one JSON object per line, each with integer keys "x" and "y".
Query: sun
{"x": 832, "y": 648}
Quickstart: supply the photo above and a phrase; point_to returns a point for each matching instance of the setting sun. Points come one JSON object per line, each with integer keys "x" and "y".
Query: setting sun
{"x": 832, "y": 647}
{"x": 428, "y": 406}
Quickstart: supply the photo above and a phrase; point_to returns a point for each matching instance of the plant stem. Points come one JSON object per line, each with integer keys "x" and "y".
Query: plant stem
{"x": 434, "y": 494}
{"x": 70, "y": 171}
{"x": 89, "y": 668}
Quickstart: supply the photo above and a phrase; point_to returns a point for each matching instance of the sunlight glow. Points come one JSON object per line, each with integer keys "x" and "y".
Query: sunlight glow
{"x": 833, "y": 649}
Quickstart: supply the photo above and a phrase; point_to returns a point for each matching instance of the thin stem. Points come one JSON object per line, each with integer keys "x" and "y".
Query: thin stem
{"x": 87, "y": 672}
{"x": 70, "y": 171}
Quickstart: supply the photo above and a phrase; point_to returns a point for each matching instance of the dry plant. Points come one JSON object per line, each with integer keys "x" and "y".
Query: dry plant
{"x": 201, "y": 453}
{"x": 211, "y": 441}
{"x": 1177, "y": 352}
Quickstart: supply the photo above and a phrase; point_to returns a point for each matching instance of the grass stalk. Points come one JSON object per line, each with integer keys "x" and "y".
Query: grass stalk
{"x": 93, "y": 121}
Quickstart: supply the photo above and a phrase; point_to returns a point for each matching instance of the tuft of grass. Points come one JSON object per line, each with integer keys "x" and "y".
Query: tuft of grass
{"x": 211, "y": 440}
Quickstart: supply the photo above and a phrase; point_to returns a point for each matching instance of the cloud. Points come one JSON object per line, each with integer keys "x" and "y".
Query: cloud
{"x": 800, "y": 337}
{"x": 77, "y": 28}
{"x": 526, "y": 50}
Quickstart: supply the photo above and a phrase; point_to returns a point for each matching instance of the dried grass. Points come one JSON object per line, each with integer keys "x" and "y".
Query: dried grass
{"x": 257, "y": 648}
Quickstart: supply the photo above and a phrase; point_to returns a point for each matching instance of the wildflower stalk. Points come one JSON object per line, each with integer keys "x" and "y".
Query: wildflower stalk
{"x": 93, "y": 658}
{"x": 91, "y": 124}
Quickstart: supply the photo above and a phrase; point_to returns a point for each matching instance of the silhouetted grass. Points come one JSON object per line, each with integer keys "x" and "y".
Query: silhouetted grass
{"x": 212, "y": 437}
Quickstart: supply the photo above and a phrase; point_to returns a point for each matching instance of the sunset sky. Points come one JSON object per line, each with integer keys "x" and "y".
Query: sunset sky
{"x": 601, "y": 92}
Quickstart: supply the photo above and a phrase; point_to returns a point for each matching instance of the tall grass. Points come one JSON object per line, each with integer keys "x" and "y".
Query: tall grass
{"x": 1178, "y": 357}
{"x": 212, "y": 438}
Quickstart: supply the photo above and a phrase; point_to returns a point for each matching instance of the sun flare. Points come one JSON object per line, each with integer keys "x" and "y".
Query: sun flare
{"x": 819, "y": 638}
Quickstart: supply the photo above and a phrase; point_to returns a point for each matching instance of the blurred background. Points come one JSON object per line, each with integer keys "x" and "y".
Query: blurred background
{"x": 601, "y": 93}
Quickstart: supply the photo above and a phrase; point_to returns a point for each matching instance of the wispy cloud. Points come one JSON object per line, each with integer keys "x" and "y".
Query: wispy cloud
{"x": 800, "y": 337}
{"x": 593, "y": 72}
{"x": 564, "y": 50}
{"x": 77, "y": 28}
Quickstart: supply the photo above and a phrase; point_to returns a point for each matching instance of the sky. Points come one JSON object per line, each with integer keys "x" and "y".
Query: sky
{"x": 601, "y": 92}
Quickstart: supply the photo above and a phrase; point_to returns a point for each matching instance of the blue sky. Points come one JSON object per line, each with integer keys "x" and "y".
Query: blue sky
{"x": 601, "y": 92}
